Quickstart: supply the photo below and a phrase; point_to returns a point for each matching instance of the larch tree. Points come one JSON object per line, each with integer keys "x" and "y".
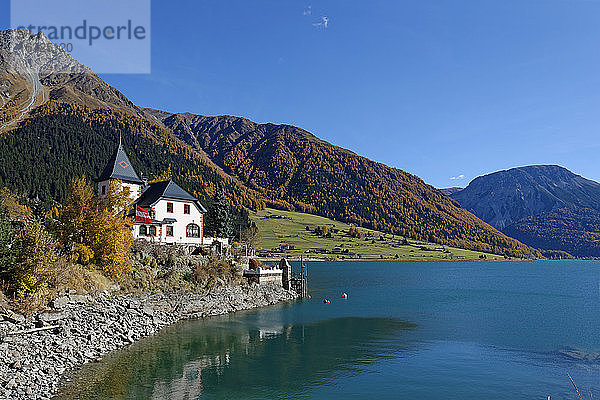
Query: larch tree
{"x": 111, "y": 232}
{"x": 99, "y": 227}
{"x": 37, "y": 255}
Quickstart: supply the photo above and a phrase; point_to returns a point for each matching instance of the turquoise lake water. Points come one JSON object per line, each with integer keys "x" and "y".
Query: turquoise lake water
{"x": 409, "y": 330}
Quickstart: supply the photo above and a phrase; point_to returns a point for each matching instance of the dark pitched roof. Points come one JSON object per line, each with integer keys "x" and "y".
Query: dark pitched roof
{"x": 119, "y": 167}
{"x": 166, "y": 189}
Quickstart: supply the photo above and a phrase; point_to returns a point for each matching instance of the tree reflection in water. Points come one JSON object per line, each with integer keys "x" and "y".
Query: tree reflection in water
{"x": 224, "y": 358}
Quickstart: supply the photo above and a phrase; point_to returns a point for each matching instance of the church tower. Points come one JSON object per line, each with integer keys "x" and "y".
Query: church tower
{"x": 119, "y": 168}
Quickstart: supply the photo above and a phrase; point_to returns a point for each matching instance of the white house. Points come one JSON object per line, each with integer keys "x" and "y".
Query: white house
{"x": 169, "y": 214}
{"x": 162, "y": 212}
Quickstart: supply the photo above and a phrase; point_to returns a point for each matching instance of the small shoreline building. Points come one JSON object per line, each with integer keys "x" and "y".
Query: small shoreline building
{"x": 162, "y": 212}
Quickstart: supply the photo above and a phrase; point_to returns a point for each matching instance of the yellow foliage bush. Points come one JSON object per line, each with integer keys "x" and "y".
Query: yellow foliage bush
{"x": 34, "y": 266}
{"x": 82, "y": 254}
{"x": 99, "y": 229}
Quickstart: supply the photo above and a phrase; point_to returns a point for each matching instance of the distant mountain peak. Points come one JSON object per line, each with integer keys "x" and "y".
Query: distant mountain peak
{"x": 24, "y": 52}
{"x": 451, "y": 190}
{"x": 33, "y": 70}
{"x": 534, "y": 170}
{"x": 505, "y": 197}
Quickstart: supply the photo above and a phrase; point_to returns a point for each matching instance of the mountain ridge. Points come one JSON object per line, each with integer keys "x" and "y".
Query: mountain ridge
{"x": 293, "y": 168}
{"x": 545, "y": 206}
{"x": 277, "y": 164}
{"x": 451, "y": 190}
{"x": 505, "y": 197}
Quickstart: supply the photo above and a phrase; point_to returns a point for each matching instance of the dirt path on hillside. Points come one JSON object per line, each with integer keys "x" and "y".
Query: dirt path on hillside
{"x": 33, "y": 82}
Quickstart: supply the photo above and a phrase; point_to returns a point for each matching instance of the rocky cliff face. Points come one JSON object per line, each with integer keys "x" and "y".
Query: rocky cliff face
{"x": 33, "y": 71}
{"x": 505, "y": 197}
{"x": 23, "y": 52}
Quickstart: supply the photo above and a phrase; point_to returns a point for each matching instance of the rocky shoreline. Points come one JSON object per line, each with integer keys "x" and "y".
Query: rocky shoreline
{"x": 77, "y": 329}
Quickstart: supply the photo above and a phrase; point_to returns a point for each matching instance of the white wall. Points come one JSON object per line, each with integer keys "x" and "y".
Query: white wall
{"x": 179, "y": 227}
{"x": 135, "y": 190}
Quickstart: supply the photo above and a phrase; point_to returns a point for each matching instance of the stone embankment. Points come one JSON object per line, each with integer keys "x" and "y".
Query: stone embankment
{"x": 77, "y": 329}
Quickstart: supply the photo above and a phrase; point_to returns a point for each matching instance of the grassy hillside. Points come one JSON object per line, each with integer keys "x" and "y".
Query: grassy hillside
{"x": 290, "y": 228}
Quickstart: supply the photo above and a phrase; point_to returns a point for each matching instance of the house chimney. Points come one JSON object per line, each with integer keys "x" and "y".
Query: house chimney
{"x": 145, "y": 185}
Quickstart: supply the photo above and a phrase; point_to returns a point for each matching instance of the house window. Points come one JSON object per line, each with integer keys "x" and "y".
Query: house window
{"x": 103, "y": 189}
{"x": 192, "y": 230}
{"x": 169, "y": 207}
{"x": 152, "y": 231}
{"x": 169, "y": 231}
{"x": 186, "y": 208}
{"x": 143, "y": 230}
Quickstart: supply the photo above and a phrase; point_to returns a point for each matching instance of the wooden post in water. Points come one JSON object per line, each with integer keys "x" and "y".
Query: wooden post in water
{"x": 303, "y": 289}
{"x": 306, "y": 281}
{"x": 301, "y": 277}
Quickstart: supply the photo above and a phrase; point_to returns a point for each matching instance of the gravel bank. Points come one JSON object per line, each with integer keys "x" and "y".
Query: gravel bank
{"x": 81, "y": 329}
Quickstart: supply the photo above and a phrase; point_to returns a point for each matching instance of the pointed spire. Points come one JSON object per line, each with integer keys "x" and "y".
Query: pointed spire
{"x": 120, "y": 141}
{"x": 119, "y": 167}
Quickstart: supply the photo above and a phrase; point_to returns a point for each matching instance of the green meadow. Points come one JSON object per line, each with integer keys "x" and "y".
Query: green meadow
{"x": 298, "y": 229}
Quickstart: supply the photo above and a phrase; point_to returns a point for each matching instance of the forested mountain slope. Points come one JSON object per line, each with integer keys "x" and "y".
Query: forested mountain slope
{"x": 293, "y": 169}
{"x": 60, "y": 141}
{"x": 575, "y": 230}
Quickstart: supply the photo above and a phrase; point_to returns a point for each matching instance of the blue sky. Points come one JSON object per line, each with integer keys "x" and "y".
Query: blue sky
{"x": 440, "y": 89}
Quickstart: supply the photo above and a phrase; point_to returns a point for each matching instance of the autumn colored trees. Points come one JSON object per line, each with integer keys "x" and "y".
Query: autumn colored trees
{"x": 98, "y": 229}
{"x": 354, "y": 232}
{"x": 294, "y": 170}
{"x": 27, "y": 251}
{"x": 574, "y": 230}
{"x": 323, "y": 231}
{"x": 281, "y": 166}
{"x": 59, "y": 141}
{"x": 86, "y": 230}
{"x": 36, "y": 259}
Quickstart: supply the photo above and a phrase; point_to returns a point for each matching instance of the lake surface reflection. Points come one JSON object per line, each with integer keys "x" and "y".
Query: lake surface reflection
{"x": 426, "y": 330}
